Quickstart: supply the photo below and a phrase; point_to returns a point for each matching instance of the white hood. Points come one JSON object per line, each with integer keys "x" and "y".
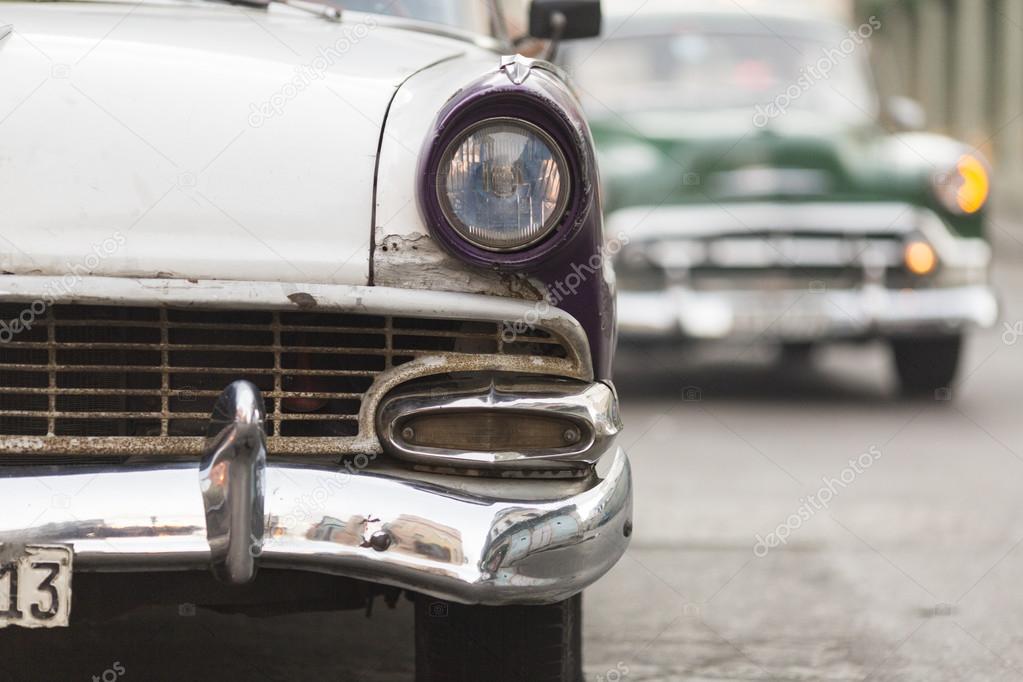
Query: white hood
{"x": 194, "y": 139}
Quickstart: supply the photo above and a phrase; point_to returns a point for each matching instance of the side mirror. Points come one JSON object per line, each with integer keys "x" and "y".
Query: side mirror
{"x": 905, "y": 113}
{"x": 565, "y": 19}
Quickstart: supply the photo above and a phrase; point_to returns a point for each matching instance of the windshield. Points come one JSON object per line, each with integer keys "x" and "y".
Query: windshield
{"x": 713, "y": 71}
{"x": 470, "y": 15}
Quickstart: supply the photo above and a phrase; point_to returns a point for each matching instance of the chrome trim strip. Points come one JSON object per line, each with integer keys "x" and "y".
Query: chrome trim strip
{"x": 593, "y": 407}
{"x": 231, "y": 478}
{"x": 456, "y": 538}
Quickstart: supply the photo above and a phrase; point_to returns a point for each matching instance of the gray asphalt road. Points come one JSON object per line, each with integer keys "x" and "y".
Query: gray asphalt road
{"x": 909, "y": 569}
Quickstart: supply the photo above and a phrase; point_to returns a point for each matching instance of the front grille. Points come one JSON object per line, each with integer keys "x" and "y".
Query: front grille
{"x": 763, "y": 260}
{"x": 151, "y": 374}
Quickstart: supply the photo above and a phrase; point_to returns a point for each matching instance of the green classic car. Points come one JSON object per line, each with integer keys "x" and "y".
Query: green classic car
{"x": 751, "y": 174}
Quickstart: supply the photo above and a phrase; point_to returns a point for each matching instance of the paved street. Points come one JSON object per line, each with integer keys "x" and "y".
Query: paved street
{"x": 911, "y": 570}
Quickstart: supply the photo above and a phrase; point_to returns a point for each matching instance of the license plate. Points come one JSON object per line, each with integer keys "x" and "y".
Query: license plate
{"x": 35, "y": 586}
{"x": 774, "y": 320}
{"x": 800, "y": 324}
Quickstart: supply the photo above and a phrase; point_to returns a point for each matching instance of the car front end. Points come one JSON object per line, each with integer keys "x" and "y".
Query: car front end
{"x": 161, "y": 425}
{"x": 287, "y": 326}
{"x": 800, "y": 273}
{"x": 760, "y": 200}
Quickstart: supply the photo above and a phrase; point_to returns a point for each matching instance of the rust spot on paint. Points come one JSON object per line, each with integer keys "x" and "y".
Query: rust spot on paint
{"x": 302, "y": 300}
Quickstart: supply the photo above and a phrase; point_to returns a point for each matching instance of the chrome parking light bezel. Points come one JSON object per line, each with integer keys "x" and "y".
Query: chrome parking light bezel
{"x": 591, "y": 406}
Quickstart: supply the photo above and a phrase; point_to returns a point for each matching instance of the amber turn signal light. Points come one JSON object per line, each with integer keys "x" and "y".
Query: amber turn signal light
{"x": 920, "y": 258}
{"x": 975, "y": 185}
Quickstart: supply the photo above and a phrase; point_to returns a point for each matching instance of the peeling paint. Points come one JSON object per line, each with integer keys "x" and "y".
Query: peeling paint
{"x": 302, "y": 300}
{"x": 415, "y": 261}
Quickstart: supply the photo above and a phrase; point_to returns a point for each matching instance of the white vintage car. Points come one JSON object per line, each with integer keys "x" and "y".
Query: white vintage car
{"x": 276, "y": 311}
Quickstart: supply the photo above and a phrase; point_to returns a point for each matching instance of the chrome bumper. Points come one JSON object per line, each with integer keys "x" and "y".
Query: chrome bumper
{"x": 804, "y": 315}
{"x": 487, "y": 541}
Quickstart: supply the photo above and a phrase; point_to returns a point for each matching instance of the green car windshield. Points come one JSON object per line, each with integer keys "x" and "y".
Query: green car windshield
{"x": 708, "y": 72}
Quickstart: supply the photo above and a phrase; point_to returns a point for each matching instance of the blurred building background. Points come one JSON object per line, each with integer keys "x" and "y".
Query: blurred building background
{"x": 963, "y": 61}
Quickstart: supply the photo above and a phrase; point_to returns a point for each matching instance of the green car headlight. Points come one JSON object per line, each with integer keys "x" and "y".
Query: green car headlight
{"x": 503, "y": 184}
{"x": 965, "y": 190}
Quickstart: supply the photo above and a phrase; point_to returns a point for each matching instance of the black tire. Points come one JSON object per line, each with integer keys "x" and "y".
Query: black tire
{"x": 927, "y": 365}
{"x": 457, "y": 643}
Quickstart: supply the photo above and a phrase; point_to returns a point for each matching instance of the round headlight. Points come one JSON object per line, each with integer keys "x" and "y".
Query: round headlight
{"x": 503, "y": 184}
{"x": 966, "y": 189}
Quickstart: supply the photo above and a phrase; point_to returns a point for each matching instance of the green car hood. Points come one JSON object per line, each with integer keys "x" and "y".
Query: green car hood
{"x": 655, "y": 158}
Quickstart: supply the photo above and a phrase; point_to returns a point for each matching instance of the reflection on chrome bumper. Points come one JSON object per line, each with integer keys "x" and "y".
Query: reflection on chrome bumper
{"x": 472, "y": 541}
{"x": 803, "y": 315}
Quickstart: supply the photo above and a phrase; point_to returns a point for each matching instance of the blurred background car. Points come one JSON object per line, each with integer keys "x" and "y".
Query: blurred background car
{"x": 765, "y": 192}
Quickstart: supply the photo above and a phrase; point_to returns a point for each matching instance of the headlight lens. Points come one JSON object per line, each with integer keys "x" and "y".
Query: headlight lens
{"x": 503, "y": 184}
{"x": 966, "y": 189}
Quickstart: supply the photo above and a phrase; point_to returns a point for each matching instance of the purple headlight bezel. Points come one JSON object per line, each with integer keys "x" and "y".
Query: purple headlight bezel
{"x": 522, "y": 104}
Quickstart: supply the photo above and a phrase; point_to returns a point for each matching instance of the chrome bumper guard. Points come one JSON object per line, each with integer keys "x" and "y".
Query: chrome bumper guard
{"x": 475, "y": 541}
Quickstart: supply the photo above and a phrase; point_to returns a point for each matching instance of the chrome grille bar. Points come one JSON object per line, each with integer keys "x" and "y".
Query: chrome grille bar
{"x": 164, "y": 376}
{"x": 51, "y": 372}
